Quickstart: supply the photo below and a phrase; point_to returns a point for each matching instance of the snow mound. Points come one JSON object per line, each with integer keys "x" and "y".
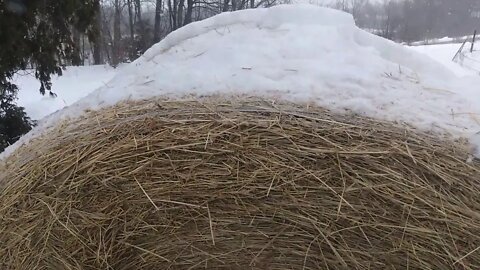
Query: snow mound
{"x": 301, "y": 53}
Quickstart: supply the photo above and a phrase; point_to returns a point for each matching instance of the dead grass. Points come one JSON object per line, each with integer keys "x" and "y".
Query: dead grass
{"x": 238, "y": 184}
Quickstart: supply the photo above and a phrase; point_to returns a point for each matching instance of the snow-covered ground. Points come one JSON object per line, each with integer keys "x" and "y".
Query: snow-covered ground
{"x": 301, "y": 53}
{"x": 76, "y": 83}
{"x": 444, "y": 53}
{"x": 444, "y": 40}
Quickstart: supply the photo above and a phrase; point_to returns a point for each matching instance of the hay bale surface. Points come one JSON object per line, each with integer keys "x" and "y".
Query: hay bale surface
{"x": 237, "y": 184}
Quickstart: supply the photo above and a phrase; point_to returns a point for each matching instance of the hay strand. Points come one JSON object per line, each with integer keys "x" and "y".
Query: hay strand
{"x": 238, "y": 183}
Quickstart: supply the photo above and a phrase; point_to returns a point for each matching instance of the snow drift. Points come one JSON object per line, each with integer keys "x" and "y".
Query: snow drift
{"x": 300, "y": 53}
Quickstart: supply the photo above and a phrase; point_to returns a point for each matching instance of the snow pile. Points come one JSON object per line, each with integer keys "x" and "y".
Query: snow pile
{"x": 76, "y": 83}
{"x": 301, "y": 53}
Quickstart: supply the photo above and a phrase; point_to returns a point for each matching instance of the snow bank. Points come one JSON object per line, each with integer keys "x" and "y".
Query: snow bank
{"x": 301, "y": 53}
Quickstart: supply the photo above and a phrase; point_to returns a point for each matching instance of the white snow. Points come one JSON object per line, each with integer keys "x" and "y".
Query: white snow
{"x": 444, "y": 40}
{"x": 76, "y": 83}
{"x": 470, "y": 61}
{"x": 301, "y": 53}
{"x": 467, "y": 65}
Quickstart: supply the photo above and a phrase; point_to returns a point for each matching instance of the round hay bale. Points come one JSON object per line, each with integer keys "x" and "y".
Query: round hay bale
{"x": 237, "y": 184}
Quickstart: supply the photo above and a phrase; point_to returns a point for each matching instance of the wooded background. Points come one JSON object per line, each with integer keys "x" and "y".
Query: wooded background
{"x": 126, "y": 28}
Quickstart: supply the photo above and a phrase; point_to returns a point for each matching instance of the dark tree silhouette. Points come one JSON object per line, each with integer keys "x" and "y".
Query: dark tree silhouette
{"x": 37, "y": 34}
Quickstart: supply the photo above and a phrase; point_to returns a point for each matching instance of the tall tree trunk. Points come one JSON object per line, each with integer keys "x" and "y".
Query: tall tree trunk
{"x": 97, "y": 37}
{"x": 225, "y": 5}
{"x": 156, "y": 29}
{"x": 131, "y": 26}
{"x": 172, "y": 9}
{"x": 243, "y": 4}
{"x": 84, "y": 55}
{"x": 107, "y": 39}
{"x": 234, "y": 5}
{"x": 252, "y": 3}
{"x": 141, "y": 31}
{"x": 188, "y": 15}
{"x": 116, "y": 35}
{"x": 181, "y": 5}
{"x": 140, "y": 25}
{"x": 130, "y": 20}
{"x": 97, "y": 52}
{"x": 76, "y": 61}
{"x": 138, "y": 10}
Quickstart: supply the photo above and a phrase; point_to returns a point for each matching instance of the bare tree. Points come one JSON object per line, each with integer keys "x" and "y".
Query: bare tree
{"x": 188, "y": 14}
{"x": 180, "y": 8}
{"x": 156, "y": 29}
{"x": 138, "y": 11}
{"x": 97, "y": 37}
{"x": 131, "y": 25}
{"x": 116, "y": 34}
{"x": 172, "y": 11}
{"x": 225, "y": 5}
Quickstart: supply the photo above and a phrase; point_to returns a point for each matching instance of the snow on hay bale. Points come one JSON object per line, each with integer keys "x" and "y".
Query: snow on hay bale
{"x": 237, "y": 184}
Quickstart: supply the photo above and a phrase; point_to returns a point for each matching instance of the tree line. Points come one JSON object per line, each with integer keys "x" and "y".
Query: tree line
{"x": 125, "y": 29}
{"x": 414, "y": 20}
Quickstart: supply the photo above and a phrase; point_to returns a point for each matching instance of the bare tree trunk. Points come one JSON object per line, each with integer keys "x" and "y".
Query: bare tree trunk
{"x": 234, "y": 5}
{"x": 138, "y": 11}
{"x": 107, "y": 39}
{"x": 172, "y": 9}
{"x": 156, "y": 30}
{"x": 116, "y": 34}
{"x": 97, "y": 52}
{"x": 130, "y": 20}
{"x": 243, "y": 4}
{"x": 142, "y": 33}
{"x": 97, "y": 39}
{"x": 76, "y": 40}
{"x": 252, "y": 3}
{"x": 225, "y": 5}
{"x": 181, "y": 4}
{"x": 84, "y": 55}
{"x": 131, "y": 26}
{"x": 188, "y": 15}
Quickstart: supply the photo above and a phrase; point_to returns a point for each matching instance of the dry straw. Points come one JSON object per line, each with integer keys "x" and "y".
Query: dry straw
{"x": 238, "y": 184}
